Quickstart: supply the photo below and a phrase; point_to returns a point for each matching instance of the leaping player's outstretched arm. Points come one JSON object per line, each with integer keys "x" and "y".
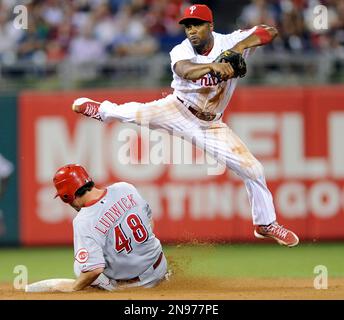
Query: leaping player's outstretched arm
{"x": 263, "y": 34}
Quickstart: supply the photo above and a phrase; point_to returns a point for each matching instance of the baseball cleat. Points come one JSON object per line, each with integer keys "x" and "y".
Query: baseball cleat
{"x": 87, "y": 107}
{"x": 277, "y": 232}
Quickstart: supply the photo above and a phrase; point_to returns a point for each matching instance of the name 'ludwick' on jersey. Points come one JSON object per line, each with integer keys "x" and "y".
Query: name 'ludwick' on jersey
{"x": 111, "y": 216}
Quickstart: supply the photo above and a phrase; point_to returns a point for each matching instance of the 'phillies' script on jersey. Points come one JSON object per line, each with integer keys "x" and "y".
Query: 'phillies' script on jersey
{"x": 208, "y": 81}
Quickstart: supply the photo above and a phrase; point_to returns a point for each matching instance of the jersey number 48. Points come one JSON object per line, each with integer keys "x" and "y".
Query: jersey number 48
{"x": 139, "y": 233}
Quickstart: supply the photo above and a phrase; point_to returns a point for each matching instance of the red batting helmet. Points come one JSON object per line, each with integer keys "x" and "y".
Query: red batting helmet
{"x": 68, "y": 179}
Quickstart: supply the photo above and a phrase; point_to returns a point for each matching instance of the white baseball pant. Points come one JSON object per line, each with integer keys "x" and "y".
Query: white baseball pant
{"x": 215, "y": 137}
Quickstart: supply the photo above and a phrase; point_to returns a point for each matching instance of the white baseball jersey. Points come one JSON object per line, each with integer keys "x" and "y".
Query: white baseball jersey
{"x": 115, "y": 233}
{"x": 208, "y": 93}
{"x": 6, "y": 168}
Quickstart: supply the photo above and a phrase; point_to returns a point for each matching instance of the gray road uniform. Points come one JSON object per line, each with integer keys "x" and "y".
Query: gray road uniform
{"x": 115, "y": 232}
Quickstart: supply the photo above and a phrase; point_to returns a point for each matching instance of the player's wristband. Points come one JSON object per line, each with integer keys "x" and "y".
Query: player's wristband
{"x": 263, "y": 35}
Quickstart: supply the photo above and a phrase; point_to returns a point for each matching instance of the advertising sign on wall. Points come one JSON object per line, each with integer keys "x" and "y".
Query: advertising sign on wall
{"x": 296, "y": 133}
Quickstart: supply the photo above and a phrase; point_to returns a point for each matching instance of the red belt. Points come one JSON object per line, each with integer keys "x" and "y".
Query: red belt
{"x": 137, "y": 279}
{"x": 156, "y": 264}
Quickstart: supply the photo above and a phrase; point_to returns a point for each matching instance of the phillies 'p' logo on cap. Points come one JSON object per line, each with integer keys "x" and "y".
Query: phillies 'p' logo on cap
{"x": 197, "y": 11}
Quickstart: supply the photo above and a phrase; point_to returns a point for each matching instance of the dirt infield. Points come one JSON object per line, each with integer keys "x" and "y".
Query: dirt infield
{"x": 180, "y": 288}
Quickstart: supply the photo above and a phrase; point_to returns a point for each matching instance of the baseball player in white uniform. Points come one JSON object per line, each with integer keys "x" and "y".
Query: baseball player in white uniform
{"x": 114, "y": 243}
{"x": 202, "y": 91}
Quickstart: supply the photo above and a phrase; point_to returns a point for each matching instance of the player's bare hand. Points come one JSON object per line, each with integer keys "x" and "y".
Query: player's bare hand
{"x": 223, "y": 71}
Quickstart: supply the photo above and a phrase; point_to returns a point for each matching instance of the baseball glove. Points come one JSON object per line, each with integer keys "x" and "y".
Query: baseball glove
{"x": 235, "y": 59}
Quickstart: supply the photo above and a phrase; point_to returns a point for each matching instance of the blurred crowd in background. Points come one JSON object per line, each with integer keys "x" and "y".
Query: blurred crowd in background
{"x": 94, "y": 30}
{"x": 295, "y": 20}
{"x": 88, "y": 30}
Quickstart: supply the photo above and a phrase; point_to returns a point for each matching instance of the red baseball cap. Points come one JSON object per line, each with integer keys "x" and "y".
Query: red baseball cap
{"x": 197, "y": 11}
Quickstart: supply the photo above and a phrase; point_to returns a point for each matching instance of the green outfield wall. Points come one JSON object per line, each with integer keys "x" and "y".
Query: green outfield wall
{"x": 9, "y": 228}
